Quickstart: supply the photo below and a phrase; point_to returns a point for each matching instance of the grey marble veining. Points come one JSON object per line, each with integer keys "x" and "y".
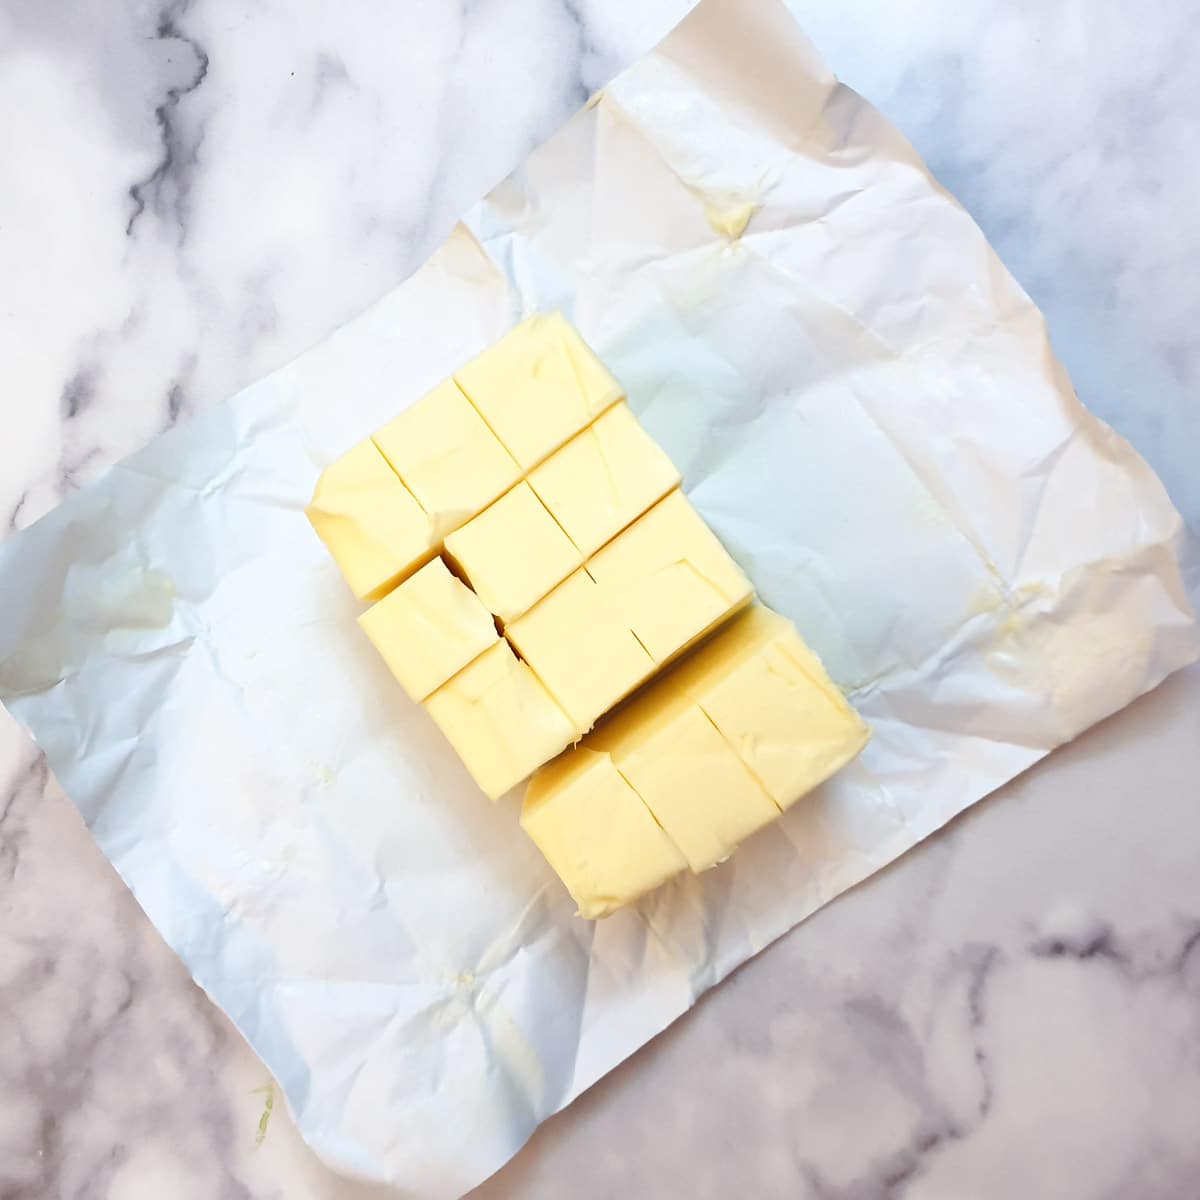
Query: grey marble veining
{"x": 195, "y": 192}
{"x": 200, "y": 194}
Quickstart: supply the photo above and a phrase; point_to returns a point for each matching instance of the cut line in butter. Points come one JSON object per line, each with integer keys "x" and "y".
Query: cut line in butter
{"x": 538, "y": 386}
{"x": 429, "y": 628}
{"x": 581, "y": 648}
{"x": 604, "y": 478}
{"x": 500, "y": 719}
{"x": 513, "y": 553}
{"x": 689, "y": 777}
{"x": 772, "y": 699}
{"x": 670, "y": 578}
{"x": 597, "y": 833}
{"x": 447, "y": 457}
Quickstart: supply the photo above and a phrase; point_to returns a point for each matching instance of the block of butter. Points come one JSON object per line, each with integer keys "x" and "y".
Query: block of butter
{"x": 597, "y": 833}
{"x": 370, "y": 522}
{"x": 500, "y": 719}
{"x": 650, "y": 593}
{"x": 429, "y": 628}
{"x": 604, "y": 478}
{"x": 581, "y": 648}
{"x": 714, "y": 748}
{"x": 670, "y": 578}
{"x": 449, "y": 459}
{"x": 689, "y": 777}
{"x": 513, "y": 553}
{"x": 772, "y": 699}
{"x": 538, "y": 386}
{"x": 535, "y": 566}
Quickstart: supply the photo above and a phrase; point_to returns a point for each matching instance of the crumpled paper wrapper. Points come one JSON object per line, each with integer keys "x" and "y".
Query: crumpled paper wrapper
{"x": 865, "y": 407}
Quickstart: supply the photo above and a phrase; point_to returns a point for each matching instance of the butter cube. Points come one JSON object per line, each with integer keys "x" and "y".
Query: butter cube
{"x": 689, "y": 776}
{"x": 581, "y": 649}
{"x": 773, "y": 701}
{"x": 538, "y": 386}
{"x": 429, "y": 628}
{"x": 513, "y": 553}
{"x": 670, "y": 577}
{"x": 596, "y": 832}
{"x": 369, "y": 521}
{"x": 500, "y": 719}
{"x": 604, "y": 478}
{"x": 447, "y": 456}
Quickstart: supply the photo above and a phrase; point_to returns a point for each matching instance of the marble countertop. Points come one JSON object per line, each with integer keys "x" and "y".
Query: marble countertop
{"x": 193, "y": 193}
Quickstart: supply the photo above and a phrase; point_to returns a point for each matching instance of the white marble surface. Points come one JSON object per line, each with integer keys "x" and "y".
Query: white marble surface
{"x": 192, "y": 194}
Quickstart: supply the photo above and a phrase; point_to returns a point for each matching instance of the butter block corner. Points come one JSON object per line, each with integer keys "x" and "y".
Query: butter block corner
{"x": 429, "y": 628}
{"x": 773, "y": 701}
{"x": 538, "y": 386}
{"x": 686, "y": 773}
{"x": 597, "y": 834}
{"x": 449, "y": 459}
{"x": 500, "y": 719}
{"x": 371, "y": 524}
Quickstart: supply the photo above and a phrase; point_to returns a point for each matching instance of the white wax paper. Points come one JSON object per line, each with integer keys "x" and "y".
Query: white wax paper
{"x": 865, "y": 407}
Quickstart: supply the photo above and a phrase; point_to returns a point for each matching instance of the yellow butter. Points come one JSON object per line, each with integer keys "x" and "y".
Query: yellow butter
{"x": 370, "y": 523}
{"x": 604, "y": 478}
{"x": 773, "y": 701}
{"x": 687, "y": 774}
{"x": 513, "y": 553}
{"x": 537, "y": 386}
{"x": 581, "y": 648}
{"x": 447, "y": 456}
{"x": 670, "y": 577}
{"x": 596, "y": 833}
{"x": 714, "y": 748}
{"x": 500, "y": 719}
{"x": 429, "y": 628}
